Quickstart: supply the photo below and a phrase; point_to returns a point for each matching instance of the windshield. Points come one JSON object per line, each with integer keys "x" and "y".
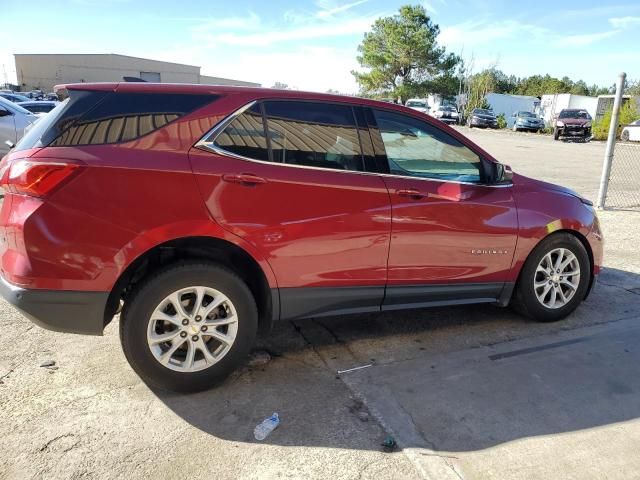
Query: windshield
{"x": 416, "y": 103}
{"x": 32, "y": 138}
{"x": 448, "y": 108}
{"x": 482, "y": 111}
{"x": 526, "y": 114}
{"x": 575, "y": 114}
{"x": 13, "y": 107}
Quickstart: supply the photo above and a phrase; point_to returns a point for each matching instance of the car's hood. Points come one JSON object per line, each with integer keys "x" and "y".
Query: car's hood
{"x": 529, "y": 119}
{"x": 539, "y": 185}
{"x": 486, "y": 117}
{"x": 419, "y": 109}
{"x": 574, "y": 121}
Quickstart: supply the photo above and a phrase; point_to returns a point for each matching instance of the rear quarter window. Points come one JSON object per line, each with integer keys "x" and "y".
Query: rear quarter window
{"x": 98, "y": 118}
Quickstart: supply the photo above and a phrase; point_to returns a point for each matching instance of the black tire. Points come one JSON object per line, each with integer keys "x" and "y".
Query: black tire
{"x": 625, "y": 136}
{"x": 556, "y": 134}
{"x": 139, "y": 307}
{"x": 525, "y": 300}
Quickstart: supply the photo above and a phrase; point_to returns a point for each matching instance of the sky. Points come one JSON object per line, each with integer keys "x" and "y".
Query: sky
{"x": 312, "y": 44}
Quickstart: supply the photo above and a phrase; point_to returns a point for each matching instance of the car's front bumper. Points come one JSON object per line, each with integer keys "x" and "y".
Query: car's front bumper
{"x": 59, "y": 310}
{"x": 574, "y": 131}
{"x": 479, "y": 122}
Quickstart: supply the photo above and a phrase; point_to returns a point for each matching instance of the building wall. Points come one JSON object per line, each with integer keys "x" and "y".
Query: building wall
{"x": 207, "y": 80}
{"x": 45, "y": 71}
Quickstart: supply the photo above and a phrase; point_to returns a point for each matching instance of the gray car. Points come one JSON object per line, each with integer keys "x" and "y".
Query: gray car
{"x": 13, "y": 121}
{"x": 525, "y": 121}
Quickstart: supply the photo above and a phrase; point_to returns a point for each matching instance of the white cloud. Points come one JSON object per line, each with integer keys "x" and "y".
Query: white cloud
{"x": 624, "y": 22}
{"x": 247, "y": 22}
{"x": 583, "y": 40}
{"x": 428, "y": 6}
{"x": 329, "y": 11}
{"x": 478, "y": 32}
{"x": 265, "y": 36}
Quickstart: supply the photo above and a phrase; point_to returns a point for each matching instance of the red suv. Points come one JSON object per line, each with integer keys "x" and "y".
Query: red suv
{"x": 204, "y": 214}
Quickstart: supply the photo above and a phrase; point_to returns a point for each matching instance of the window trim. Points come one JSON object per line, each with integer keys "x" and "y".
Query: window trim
{"x": 209, "y": 146}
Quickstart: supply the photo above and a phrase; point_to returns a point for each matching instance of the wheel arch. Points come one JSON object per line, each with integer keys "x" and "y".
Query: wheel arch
{"x": 215, "y": 249}
{"x": 581, "y": 238}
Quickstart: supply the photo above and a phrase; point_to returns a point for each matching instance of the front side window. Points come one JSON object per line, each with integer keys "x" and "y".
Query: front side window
{"x": 415, "y": 148}
{"x": 245, "y": 135}
{"x": 313, "y": 134}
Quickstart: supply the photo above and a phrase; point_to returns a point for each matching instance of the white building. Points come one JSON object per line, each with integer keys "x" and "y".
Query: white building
{"x": 551, "y": 105}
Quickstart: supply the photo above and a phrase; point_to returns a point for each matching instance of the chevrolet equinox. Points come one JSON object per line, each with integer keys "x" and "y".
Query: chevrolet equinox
{"x": 203, "y": 214}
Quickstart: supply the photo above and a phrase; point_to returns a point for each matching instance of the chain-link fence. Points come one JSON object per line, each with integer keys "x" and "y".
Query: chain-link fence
{"x": 624, "y": 179}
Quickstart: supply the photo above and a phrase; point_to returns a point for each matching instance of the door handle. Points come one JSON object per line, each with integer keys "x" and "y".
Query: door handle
{"x": 411, "y": 193}
{"x": 247, "y": 179}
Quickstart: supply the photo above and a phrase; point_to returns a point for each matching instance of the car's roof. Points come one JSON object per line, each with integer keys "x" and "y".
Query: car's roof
{"x": 258, "y": 92}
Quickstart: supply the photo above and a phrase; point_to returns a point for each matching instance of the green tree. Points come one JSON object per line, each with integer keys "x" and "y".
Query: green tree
{"x": 401, "y": 57}
{"x": 479, "y": 85}
{"x": 628, "y": 113}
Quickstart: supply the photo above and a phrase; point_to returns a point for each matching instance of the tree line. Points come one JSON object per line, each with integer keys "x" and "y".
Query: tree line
{"x": 401, "y": 59}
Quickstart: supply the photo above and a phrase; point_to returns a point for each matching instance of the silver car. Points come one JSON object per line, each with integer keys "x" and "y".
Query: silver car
{"x": 13, "y": 121}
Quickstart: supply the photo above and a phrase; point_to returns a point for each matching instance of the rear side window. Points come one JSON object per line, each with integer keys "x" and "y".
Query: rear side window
{"x": 122, "y": 117}
{"x": 313, "y": 134}
{"x": 96, "y": 118}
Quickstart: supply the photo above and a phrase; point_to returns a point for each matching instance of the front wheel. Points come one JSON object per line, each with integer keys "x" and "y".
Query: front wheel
{"x": 625, "y": 135}
{"x": 189, "y": 326}
{"x": 554, "y": 279}
{"x": 556, "y": 134}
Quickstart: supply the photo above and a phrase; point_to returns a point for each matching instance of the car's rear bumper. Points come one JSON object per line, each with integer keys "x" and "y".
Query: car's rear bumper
{"x": 59, "y": 310}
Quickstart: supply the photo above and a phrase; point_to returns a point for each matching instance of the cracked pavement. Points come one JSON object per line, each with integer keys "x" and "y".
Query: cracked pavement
{"x": 467, "y": 392}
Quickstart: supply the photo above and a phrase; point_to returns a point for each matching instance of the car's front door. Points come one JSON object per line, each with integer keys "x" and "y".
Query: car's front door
{"x": 453, "y": 236}
{"x": 302, "y": 197}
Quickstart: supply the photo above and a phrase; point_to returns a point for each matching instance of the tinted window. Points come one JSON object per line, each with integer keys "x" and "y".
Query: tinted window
{"x": 415, "y": 148}
{"x": 34, "y": 135}
{"x": 245, "y": 135}
{"x": 121, "y": 117}
{"x": 313, "y": 134}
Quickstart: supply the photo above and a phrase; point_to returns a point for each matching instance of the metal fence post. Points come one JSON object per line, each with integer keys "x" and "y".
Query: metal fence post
{"x": 611, "y": 142}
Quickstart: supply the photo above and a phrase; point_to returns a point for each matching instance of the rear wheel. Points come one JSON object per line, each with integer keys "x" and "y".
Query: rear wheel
{"x": 189, "y": 326}
{"x": 554, "y": 279}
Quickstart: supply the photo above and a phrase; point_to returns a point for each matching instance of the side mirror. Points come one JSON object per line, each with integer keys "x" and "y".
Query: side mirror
{"x": 4, "y": 112}
{"x": 503, "y": 174}
{"x": 10, "y": 144}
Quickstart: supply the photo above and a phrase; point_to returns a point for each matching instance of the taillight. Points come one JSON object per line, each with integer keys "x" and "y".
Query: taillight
{"x": 34, "y": 178}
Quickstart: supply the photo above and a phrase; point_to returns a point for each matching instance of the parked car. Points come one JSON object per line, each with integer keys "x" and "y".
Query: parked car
{"x": 14, "y": 97}
{"x": 447, "y": 114}
{"x": 572, "y": 122}
{"x": 526, "y": 121}
{"x": 483, "y": 118}
{"x": 13, "y": 121}
{"x": 631, "y": 132}
{"x": 418, "y": 104}
{"x": 258, "y": 205}
{"x": 38, "y": 107}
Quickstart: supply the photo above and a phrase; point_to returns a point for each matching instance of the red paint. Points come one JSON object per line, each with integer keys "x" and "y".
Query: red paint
{"x": 304, "y": 227}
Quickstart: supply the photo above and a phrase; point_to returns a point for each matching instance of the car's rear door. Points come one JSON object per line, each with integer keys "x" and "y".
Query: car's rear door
{"x": 301, "y": 196}
{"x": 453, "y": 236}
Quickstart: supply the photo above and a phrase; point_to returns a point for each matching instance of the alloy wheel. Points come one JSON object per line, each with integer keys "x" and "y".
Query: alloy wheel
{"x": 557, "y": 278}
{"x": 192, "y": 329}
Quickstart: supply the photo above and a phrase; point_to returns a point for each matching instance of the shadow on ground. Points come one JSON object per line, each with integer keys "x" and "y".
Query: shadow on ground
{"x": 435, "y": 366}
